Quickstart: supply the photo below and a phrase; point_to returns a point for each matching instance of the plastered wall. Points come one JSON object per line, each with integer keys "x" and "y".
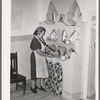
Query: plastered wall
{"x": 29, "y": 19}
{"x": 24, "y": 52}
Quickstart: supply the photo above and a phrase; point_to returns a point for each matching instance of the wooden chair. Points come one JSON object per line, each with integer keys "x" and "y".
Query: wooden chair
{"x": 15, "y": 76}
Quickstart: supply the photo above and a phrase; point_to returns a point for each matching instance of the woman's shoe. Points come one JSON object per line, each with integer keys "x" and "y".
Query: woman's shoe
{"x": 41, "y": 88}
{"x": 33, "y": 90}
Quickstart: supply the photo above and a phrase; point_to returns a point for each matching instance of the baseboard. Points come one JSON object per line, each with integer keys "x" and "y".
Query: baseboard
{"x": 71, "y": 96}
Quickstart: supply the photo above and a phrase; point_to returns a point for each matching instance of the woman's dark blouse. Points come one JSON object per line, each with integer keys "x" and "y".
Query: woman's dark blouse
{"x": 35, "y": 44}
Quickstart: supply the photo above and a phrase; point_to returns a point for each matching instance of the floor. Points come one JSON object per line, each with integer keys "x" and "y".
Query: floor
{"x": 18, "y": 95}
{"x": 41, "y": 95}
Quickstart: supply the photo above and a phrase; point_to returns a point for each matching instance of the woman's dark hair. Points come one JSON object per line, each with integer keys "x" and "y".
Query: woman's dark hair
{"x": 39, "y": 30}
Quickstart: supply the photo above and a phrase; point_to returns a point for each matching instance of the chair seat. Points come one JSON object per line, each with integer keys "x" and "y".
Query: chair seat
{"x": 17, "y": 78}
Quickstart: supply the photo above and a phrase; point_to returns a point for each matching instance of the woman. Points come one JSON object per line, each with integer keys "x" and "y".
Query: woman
{"x": 38, "y": 60}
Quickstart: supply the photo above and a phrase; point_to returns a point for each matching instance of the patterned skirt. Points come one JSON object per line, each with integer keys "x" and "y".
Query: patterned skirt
{"x": 54, "y": 80}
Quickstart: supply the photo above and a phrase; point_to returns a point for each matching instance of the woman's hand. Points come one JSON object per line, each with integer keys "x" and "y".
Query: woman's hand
{"x": 56, "y": 54}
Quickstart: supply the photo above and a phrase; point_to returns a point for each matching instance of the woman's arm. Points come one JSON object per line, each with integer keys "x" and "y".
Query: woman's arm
{"x": 43, "y": 53}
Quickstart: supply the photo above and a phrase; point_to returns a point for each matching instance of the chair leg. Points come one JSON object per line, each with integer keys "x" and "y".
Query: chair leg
{"x": 16, "y": 86}
{"x": 24, "y": 86}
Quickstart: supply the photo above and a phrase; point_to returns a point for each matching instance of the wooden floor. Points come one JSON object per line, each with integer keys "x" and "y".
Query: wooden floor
{"x": 40, "y": 95}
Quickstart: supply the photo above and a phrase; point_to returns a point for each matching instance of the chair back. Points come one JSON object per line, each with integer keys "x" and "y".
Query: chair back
{"x": 14, "y": 64}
